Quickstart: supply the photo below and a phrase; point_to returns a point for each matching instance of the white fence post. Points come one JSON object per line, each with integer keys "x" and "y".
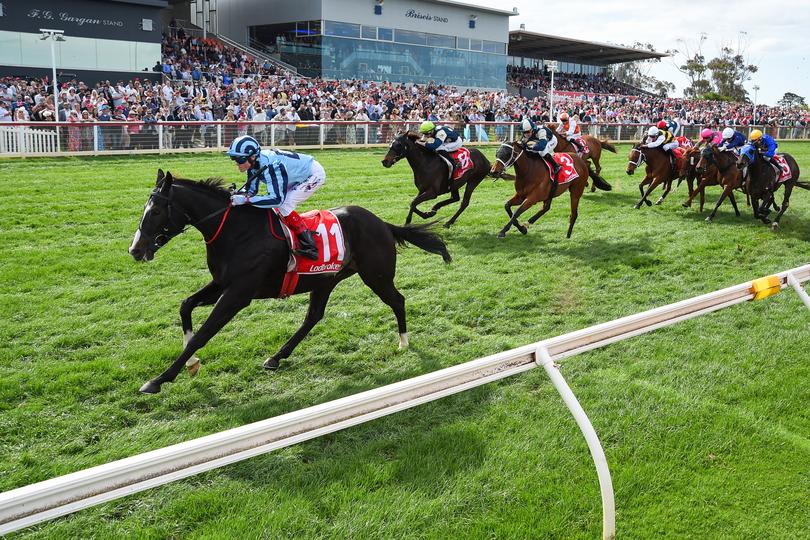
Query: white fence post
{"x": 219, "y": 135}
{"x": 160, "y": 137}
{"x": 96, "y": 129}
{"x": 320, "y": 135}
{"x": 543, "y": 358}
{"x": 797, "y": 286}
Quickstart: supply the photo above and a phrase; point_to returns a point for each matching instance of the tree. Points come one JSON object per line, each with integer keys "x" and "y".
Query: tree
{"x": 791, "y": 100}
{"x": 693, "y": 65}
{"x": 729, "y": 72}
{"x": 721, "y": 76}
{"x": 638, "y": 73}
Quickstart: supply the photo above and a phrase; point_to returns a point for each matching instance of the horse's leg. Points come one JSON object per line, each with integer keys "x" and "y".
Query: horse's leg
{"x": 667, "y": 189}
{"x": 454, "y": 197}
{"x": 785, "y": 204}
{"x": 575, "y": 196}
{"x": 694, "y": 192}
{"x": 230, "y": 303}
{"x": 422, "y": 197}
{"x": 318, "y": 299}
{"x": 525, "y": 205}
{"x": 382, "y": 283}
{"x": 644, "y": 195}
{"x": 726, "y": 193}
{"x": 514, "y": 201}
{"x": 204, "y": 297}
{"x": 468, "y": 189}
{"x": 538, "y": 215}
{"x": 703, "y": 195}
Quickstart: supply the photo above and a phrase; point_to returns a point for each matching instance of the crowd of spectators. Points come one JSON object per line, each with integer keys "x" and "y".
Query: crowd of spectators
{"x": 540, "y": 79}
{"x": 204, "y": 80}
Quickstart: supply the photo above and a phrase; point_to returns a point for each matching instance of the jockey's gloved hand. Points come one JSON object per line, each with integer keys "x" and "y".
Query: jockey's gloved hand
{"x": 236, "y": 200}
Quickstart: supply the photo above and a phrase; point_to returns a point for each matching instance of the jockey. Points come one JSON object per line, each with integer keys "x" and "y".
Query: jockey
{"x": 657, "y": 137}
{"x": 569, "y": 128}
{"x": 671, "y": 125}
{"x": 540, "y": 140}
{"x": 732, "y": 140}
{"x": 440, "y": 139}
{"x": 290, "y": 179}
{"x": 710, "y": 137}
{"x": 766, "y": 147}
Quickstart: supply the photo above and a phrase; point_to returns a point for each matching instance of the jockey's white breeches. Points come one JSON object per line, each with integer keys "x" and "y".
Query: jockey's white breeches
{"x": 304, "y": 190}
{"x": 451, "y": 146}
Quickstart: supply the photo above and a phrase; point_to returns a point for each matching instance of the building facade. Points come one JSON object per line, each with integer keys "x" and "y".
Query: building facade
{"x": 411, "y": 41}
{"x": 101, "y": 36}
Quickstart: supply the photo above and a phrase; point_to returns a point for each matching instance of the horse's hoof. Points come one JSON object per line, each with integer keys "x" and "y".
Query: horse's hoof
{"x": 523, "y": 228}
{"x": 448, "y": 225}
{"x": 430, "y": 214}
{"x": 271, "y": 364}
{"x": 637, "y": 206}
{"x": 150, "y": 387}
{"x": 501, "y": 235}
{"x": 775, "y": 226}
{"x": 194, "y": 368}
{"x": 685, "y": 205}
{"x": 708, "y": 219}
{"x": 648, "y": 203}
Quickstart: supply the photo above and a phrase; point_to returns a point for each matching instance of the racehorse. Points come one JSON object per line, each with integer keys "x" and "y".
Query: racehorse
{"x": 595, "y": 147}
{"x": 726, "y": 175}
{"x": 430, "y": 174}
{"x": 762, "y": 185}
{"x": 248, "y": 260}
{"x": 533, "y": 184}
{"x": 658, "y": 171}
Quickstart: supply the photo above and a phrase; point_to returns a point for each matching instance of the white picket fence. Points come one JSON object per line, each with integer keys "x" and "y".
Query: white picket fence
{"x": 46, "y": 500}
{"x": 25, "y": 140}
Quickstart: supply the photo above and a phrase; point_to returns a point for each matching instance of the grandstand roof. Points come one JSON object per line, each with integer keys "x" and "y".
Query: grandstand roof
{"x": 474, "y": 7}
{"x": 547, "y": 47}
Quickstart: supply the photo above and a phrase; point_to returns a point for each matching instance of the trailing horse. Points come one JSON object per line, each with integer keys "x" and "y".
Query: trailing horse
{"x": 248, "y": 259}
{"x": 595, "y": 147}
{"x": 762, "y": 183}
{"x": 430, "y": 174}
{"x": 659, "y": 170}
{"x": 533, "y": 184}
{"x": 726, "y": 175}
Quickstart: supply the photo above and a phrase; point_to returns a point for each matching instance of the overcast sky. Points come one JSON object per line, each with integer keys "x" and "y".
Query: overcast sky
{"x": 778, "y": 32}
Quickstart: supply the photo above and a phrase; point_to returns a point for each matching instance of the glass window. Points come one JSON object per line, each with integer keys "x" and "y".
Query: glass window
{"x": 385, "y": 34}
{"x": 435, "y": 40}
{"x": 494, "y": 47}
{"x": 475, "y": 44}
{"x": 80, "y": 53}
{"x": 463, "y": 43}
{"x": 342, "y": 29}
{"x": 146, "y": 54}
{"x": 115, "y": 56}
{"x": 36, "y": 53}
{"x": 408, "y": 36}
{"x": 369, "y": 32}
{"x": 10, "y": 49}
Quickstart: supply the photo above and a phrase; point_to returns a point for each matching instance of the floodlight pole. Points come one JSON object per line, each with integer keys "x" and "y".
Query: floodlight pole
{"x": 552, "y": 67}
{"x": 754, "y": 114}
{"x": 51, "y": 36}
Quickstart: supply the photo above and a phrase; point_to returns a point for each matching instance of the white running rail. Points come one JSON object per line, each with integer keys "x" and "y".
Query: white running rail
{"x": 35, "y": 503}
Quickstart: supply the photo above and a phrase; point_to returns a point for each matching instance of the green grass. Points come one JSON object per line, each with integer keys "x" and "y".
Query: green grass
{"x": 706, "y": 424}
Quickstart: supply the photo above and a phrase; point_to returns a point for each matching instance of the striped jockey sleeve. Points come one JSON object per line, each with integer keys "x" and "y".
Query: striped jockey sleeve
{"x": 276, "y": 187}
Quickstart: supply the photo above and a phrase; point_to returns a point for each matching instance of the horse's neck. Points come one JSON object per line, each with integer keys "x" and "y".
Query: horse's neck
{"x": 197, "y": 205}
{"x": 421, "y": 159}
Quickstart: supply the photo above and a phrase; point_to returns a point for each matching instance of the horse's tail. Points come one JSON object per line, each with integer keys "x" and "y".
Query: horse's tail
{"x": 422, "y": 236}
{"x": 605, "y": 143}
{"x": 598, "y": 181}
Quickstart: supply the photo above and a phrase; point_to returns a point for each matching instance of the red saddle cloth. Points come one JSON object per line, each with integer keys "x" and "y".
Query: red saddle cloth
{"x": 567, "y": 172}
{"x": 680, "y": 159}
{"x": 785, "y": 175}
{"x": 463, "y": 161}
{"x": 685, "y": 142}
{"x": 328, "y": 235}
{"x": 583, "y": 144}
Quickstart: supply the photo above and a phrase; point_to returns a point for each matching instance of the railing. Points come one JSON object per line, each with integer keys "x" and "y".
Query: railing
{"x": 28, "y": 505}
{"x": 94, "y": 138}
{"x": 257, "y": 53}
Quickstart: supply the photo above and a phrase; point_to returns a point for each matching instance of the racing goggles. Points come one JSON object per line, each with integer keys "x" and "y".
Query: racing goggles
{"x": 240, "y": 159}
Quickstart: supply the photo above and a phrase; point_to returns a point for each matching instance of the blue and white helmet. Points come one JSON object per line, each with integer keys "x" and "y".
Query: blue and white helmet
{"x": 244, "y": 146}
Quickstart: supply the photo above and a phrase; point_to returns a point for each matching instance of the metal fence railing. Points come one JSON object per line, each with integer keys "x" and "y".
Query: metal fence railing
{"x": 49, "y": 138}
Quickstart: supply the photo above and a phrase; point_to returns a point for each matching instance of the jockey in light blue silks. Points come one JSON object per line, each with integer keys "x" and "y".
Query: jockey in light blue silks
{"x": 541, "y": 140}
{"x": 290, "y": 179}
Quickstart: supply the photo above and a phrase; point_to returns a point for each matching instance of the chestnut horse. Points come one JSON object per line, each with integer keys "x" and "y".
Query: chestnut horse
{"x": 533, "y": 184}
{"x": 729, "y": 176}
{"x": 658, "y": 170}
{"x": 595, "y": 147}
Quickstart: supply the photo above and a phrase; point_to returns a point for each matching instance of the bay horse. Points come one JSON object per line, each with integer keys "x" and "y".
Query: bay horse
{"x": 762, "y": 185}
{"x": 595, "y": 147}
{"x": 430, "y": 174}
{"x": 248, "y": 260}
{"x": 533, "y": 184}
{"x": 726, "y": 175}
{"x": 658, "y": 170}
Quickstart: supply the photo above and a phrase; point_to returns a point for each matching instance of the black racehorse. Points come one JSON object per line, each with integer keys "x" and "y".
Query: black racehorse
{"x": 248, "y": 255}
{"x": 430, "y": 174}
{"x": 762, "y": 186}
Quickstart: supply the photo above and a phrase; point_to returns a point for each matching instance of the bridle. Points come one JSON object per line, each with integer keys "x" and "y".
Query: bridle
{"x": 512, "y": 157}
{"x": 172, "y": 229}
{"x": 397, "y": 157}
{"x": 641, "y": 158}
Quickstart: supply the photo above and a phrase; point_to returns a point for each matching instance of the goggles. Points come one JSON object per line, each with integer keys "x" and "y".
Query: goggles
{"x": 240, "y": 159}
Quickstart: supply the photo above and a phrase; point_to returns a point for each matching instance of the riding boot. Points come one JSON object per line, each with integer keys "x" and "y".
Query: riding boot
{"x": 674, "y": 164}
{"x": 306, "y": 243}
{"x": 445, "y": 154}
{"x": 776, "y": 167}
{"x": 555, "y": 173}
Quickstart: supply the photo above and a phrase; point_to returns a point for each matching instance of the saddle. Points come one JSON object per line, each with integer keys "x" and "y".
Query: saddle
{"x": 463, "y": 163}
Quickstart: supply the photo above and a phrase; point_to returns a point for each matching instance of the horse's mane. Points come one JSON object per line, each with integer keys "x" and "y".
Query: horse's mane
{"x": 213, "y": 185}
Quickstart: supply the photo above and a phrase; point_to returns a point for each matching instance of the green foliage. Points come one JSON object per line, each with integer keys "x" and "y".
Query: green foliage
{"x": 638, "y": 73}
{"x": 704, "y": 423}
{"x": 714, "y": 96}
{"x": 723, "y": 75}
{"x": 792, "y": 100}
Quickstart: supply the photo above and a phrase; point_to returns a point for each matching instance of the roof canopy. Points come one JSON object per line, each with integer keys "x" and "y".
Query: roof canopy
{"x": 544, "y": 46}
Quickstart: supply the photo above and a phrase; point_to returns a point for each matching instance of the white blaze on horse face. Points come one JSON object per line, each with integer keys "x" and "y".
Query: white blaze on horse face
{"x": 138, "y": 232}
{"x": 403, "y": 340}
